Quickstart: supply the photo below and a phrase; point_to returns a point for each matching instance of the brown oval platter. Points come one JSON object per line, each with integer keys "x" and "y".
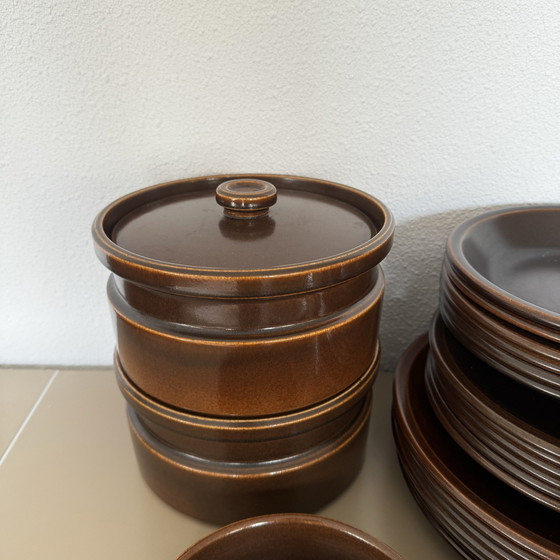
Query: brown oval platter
{"x": 481, "y": 516}
{"x": 510, "y": 259}
{"x": 289, "y": 537}
{"x": 510, "y": 430}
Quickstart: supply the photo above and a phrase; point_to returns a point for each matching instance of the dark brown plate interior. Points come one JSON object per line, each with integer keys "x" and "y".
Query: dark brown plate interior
{"x": 514, "y": 257}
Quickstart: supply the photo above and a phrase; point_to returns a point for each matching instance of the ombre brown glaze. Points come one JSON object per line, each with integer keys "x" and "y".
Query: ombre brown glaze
{"x": 248, "y": 439}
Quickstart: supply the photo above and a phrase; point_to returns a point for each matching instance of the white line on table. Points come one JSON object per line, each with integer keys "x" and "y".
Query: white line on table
{"x": 28, "y": 417}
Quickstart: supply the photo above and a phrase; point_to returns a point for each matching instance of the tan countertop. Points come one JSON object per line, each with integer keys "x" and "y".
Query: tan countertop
{"x": 70, "y": 487}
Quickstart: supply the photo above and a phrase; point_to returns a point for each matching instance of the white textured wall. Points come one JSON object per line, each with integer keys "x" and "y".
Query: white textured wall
{"x": 438, "y": 108}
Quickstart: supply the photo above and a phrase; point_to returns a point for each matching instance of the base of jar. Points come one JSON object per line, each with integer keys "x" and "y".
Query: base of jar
{"x": 223, "y": 492}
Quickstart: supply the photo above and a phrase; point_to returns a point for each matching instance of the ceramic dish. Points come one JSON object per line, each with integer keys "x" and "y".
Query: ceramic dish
{"x": 510, "y": 257}
{"x": 240, "y": 371}
{"x": 502, "y": 313}
{"x": 510, "y": 430}
{"x": 235, "y": 257}
{"x": 529, "y": 415}
{"x": 247, "y": 440}
{"x": 529, "y": 359}
{"x": 478, "y": 514}
{"x": 232, "y": 297}
{"x": 287, "y": 537}
{"x": 221, "y": 492}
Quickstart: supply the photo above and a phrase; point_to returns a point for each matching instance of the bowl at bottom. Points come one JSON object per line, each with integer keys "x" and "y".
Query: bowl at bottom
{"x": 289, "y": 536}
{"x": 221, "y": 492}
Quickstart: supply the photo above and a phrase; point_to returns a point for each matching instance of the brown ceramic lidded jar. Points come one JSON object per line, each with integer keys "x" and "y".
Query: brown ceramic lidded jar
{"x": 244, "y": 297}
{"x": 243, "y": 306}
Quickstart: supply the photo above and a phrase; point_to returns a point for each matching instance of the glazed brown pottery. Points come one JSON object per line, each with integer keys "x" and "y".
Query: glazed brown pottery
{"x": 248, "y": 440}
{"x": 221, "y": 492}
{"x": 268, "y": 307}
{"x": 478, "y": 514}
{"x": 246, "y": 312}
{"x": 508, "y": 261}
{"x": 526, "y": 357}
{"x": 509, "y": 429}
{"x": 289, "y": 537}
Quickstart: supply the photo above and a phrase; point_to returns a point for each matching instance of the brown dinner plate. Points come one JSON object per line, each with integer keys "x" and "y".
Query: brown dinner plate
{"x": 528, "y": 415}
{"x": 521, "y": 468}
{"x": 502, "y": 522}
{"x": 508, "y": 428}
{"x": 511, "y": 259}
{"x": 529, "y": 359}
{"x": 480, "y": 299}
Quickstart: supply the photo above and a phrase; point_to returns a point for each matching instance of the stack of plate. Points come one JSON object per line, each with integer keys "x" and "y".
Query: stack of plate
{"x": 500, "y": 292}
{"x": 477, "y": 403}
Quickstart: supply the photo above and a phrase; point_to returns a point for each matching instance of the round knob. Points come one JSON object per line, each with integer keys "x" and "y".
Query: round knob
{"x": 246, "y": 198}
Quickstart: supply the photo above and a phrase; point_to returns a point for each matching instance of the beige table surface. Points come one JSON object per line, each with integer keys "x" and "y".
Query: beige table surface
{"x": 70, "y": 487}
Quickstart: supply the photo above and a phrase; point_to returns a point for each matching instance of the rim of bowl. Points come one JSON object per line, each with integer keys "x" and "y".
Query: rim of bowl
{"x": 273, "y": 520}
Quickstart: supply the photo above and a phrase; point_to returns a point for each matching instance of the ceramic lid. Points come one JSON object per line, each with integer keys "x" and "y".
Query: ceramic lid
{"x": 249, "y": 235}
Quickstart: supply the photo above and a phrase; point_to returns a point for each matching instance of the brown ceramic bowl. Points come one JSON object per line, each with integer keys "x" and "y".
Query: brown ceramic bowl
{"x": 267, "y": 438}
{"x": 252, "y": 310}
{"x": 287, "y": 537}
{"x": 509, "y": 259}
{"x": 241, "y": 372}
{"x": 221, "y": 492}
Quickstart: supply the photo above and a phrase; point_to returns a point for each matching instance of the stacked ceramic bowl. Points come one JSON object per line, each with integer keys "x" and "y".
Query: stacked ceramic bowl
{"x": 246, "y": 312}
{"x": 476, "y": 404}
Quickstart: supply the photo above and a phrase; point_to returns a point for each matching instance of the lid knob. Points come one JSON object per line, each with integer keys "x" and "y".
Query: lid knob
{"x": 246, "y": 198}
